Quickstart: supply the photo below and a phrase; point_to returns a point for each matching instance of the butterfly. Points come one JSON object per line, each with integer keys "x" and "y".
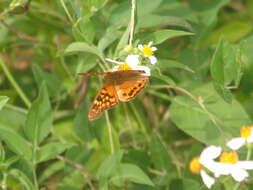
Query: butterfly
{"x": 121, "y": 85}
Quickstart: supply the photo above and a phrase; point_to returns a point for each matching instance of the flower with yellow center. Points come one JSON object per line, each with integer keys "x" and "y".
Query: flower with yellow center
{"x": 148, "y": 51}
{"x": 197, "y": 168}
{"x": 131, "y": 63}
{"x": 229, "y": 163}
{"x": 246, "y": 134}
{"x": 195, "y": 165}
{"x": 229, "y": 157}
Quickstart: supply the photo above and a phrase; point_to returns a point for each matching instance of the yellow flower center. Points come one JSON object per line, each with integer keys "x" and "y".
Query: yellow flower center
{"x": 229, "y": 157}
{"x": 124, "y": 67}
{"x": 245, "y": 131}
{"x": 195, "y": 165}
{"x": 147, "y": 50}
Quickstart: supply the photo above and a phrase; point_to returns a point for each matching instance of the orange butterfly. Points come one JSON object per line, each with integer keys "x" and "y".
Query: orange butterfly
{"x": 121, "y": 85}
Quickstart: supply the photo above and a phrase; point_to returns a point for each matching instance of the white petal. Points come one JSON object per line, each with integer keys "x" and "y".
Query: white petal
{"x": 250, "y": 138}
{"x": 132, "y": 60}
{"x": 153, "y": 48}
{"x": 150, "y": 44}
{"x": 143, "y": 68}
{"x": 210, "y": 153}
{"x": 239, "y": 174}
{"x": 246, "y": 165}
{"x": 115, "y": 68}
{"x": 236, "y": 143}
{"x": 152, "y": 59}
{"x": 221, "y": 169}
{"x": 208, "y": 180}
{"x": 140, "y": 47}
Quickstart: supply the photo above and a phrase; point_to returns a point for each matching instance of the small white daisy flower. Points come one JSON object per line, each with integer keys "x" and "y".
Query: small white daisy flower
{"x": 148, "y": 51}
{"x": 197, "y": 168}
{"x": 228, "y": 164}
{"x": 246, "y": 134}
{"x": 131, "y": 62}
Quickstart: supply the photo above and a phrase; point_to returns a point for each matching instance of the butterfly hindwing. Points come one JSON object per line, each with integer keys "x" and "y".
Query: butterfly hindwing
{"x": 128, "y": 89}
{"x": 105, "y": 99}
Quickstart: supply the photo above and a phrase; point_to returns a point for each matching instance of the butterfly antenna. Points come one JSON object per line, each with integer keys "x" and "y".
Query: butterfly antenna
{"x": 113, "y": 61}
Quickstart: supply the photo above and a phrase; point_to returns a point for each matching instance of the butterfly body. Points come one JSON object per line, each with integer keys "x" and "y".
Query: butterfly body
{"x": 121, "y": 85}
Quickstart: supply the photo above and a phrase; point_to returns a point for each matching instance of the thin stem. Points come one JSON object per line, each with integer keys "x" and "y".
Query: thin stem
{"x": 236, "y": 186}
{"x": 131, "y": 24}
{"x": 67, "y": 12}
{"x": 35, "y": 178}
{"x": 249, "y": 152}
{"x": 110, "y": 132}
{"x": 34, "y": 156}
{"x": 4, "y": 182}
{"x": 129, "y": 124}
{"x": 15, "y": 84}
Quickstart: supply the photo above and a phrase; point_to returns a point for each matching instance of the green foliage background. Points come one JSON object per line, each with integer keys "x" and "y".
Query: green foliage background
{"x": 200, "y": 92}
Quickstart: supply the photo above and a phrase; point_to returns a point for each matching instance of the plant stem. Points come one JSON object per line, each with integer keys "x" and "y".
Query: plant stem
{"x": 110, "y": 132}
{"x": 237, "y": 185}
{"x": 4, "y": 182}
{"x": 15, "y": 84}
{"x": 249, "y": 152}
{"x": 35, "y": 178}
{"x": 67, "y": 12}
{"x": 131, "y": 24}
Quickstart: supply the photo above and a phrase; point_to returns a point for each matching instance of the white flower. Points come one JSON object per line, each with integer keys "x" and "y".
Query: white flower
{"x": 246, "y": 137}
{"x": 228, "y": 165}
{"x": 148, "y": 51}
{"x": 132, "y": 62}
{"x": 197, "y": 168}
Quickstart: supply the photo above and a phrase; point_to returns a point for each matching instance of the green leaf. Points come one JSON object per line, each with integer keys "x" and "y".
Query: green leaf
{"x": 86, "y": 63}
{"x": 85, "y": 30}
{"x": 132, "y": 173}
{"x": 160, "y": 36}
{"x": 50, "y": 151}
{"x": 168, "y": 64}
{"x": 153, "y": 20}
{"x": 160, "y": 155}
{"x": 123, "y": 41}
{"x": 223, "y": 92}
{"x": 82, "y": 125}
{"x": 110, "y": 36}
{"x": 39, "y": 118}
{"x": 184, "y": 184}
{"x": 87, "y": 8}
{"x": 76, "y": 47}
{"x": 225, "y": 68}
{"x": 51, "y": 170}
{"x": 109, "y": 165}
{"x": 164, "y": 78}
{"x": 7, "y": 121}
{"x": 3, "y": 101}
{"x": 211, "y": 123}
{"x": 53, "y": 83}
{"x": 234, "y": 31}
{"x": 24, "y": 180}
{"x": 16, "y": 143}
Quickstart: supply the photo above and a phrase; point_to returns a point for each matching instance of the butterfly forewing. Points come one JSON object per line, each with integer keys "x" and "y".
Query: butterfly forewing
{"x": 105, "y": 99}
